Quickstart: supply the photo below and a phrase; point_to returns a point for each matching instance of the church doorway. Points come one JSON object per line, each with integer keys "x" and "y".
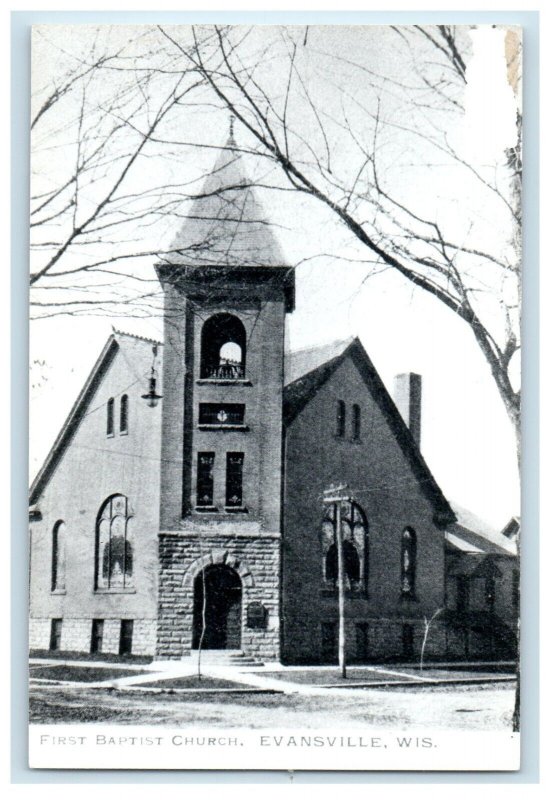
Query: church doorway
{"x": 221, "y": 586}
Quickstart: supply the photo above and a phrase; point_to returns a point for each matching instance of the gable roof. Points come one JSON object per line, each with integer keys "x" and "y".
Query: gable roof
{"x": 300, "y": 391}
{"x": 79, "y": 410}
{"x": 299, "y": 362}
{"x": 471, "y": 534}
{"x": 226, "y": 225}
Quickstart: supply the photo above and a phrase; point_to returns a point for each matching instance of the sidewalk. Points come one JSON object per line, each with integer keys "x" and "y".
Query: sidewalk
{"x": 252, "y": 679}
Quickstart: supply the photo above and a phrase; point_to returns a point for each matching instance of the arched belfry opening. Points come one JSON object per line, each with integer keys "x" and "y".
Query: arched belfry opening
{"x": 221, "y": 615}
{"x": 223, "y": 347}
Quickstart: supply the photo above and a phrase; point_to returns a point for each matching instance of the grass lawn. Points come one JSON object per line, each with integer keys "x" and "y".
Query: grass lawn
{"x": 193, "y": 682}
{"x": 70, "y": 655}
{"x": 61, "y": 672}
{"x": 355, "y": 675}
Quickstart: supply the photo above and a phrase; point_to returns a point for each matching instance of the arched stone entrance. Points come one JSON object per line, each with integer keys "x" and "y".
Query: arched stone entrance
{"x": 221, "y": 614}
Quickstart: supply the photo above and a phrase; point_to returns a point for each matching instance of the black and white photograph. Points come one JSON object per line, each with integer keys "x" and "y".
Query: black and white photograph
{"x": 274, "y": 447}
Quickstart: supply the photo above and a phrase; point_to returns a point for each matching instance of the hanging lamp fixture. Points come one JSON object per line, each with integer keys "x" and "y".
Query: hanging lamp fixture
{"x": 152, "y": 397}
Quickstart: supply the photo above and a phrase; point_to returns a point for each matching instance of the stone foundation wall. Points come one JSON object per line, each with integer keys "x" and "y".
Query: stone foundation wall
{"x": 379, "y": 640}
{"x": 182, "y": 556}
{"x": 76, "y": 635}
{"x": 39, "y": 634}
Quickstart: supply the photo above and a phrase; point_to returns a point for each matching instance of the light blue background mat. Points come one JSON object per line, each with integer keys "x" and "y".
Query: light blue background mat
{"x": 20, "y": 37}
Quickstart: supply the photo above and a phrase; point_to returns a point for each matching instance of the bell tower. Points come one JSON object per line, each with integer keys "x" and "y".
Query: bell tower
{"x": 227, "y": 291}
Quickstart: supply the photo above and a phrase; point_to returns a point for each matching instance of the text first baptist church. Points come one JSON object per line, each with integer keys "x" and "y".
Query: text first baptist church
{"x": 207, "y": 480}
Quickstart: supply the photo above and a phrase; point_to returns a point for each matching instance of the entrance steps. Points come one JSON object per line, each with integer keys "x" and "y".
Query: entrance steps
{"x": 225, "y": 658}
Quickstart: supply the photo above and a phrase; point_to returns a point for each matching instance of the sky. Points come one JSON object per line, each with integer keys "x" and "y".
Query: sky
{"x": 467, "y": 438}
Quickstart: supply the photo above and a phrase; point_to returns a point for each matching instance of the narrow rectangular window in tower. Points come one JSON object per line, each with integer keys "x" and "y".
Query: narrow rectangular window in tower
{"x": 234, "y": 480}
{"x": 205, "y": 480}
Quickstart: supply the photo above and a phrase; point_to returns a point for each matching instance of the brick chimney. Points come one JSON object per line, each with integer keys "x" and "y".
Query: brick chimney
{"x": 408, "y": 399}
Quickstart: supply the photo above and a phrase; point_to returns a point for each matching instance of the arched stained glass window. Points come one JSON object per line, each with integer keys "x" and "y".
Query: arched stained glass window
{"x": 352, "y": 567}
{"x": 58, "y": 556}
{"x": 114, "y": 567}
{"x": 356, "y": 422}
{"x": 354, "y": 546}
{"x": 340, "y": 418}
{"x": 111, "y": 416}
{"x": 408, "y": 563}
{"x": 124, "y": 409}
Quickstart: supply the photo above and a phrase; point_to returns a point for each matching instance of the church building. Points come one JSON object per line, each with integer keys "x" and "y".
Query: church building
{"x": 181, "y": 505}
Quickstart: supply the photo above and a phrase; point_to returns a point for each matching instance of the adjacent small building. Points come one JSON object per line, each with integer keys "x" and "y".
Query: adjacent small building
{"x": 181, "y": 505}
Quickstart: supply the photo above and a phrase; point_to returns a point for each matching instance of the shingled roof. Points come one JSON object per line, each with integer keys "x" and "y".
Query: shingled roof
{"x": 226, "y": 225}
{"x": 303, "y": 388}
{"x": 299, "y": 362}
{"x": 471, "y": 534}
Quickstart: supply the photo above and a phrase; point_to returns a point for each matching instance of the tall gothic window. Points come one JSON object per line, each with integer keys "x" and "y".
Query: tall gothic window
{"x": 111, "y": 416}
{"x": 223, "y": 348}
{"x": 340, "y": 418}
{"x": 354, "y": 545}
{"x": 205, "y": 480}
{"x": 123, "y": 427}
{"x": 114, "y": 567}
{"x": 356, "y": 422}
{"x": 352, "y": 566}
{"x": 408, "y": 563}
{"x": 58, "y": 556}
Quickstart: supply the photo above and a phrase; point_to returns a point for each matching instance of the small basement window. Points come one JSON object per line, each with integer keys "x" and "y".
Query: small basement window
{"x": 407, "y": 640}
{"x": 362, "y": 641}
{"x": 126, "y": 635}
{"x": 96, "y": 644}
{"x": 329, "y": 642}
{"x": 55, "y": 634}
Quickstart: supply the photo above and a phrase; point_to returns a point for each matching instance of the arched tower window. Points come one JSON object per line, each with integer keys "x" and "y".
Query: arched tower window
{"x": 114, "y": 562}
{"x": 408, "y": 563}
{"x": 223, "y": 347}
{"x": 354, "y": 545}
{"x": 58, "y": 556}
{"x": 111, "y": 416}
{"x": 124, "y": 413}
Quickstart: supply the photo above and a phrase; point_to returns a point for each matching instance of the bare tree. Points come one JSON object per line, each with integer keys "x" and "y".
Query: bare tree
{"x": 100, "y": 182}
{"x": 353, "y": 161}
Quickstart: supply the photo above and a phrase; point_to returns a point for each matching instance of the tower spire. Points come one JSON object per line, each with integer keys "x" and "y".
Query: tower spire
{"x": 231, "y": 128}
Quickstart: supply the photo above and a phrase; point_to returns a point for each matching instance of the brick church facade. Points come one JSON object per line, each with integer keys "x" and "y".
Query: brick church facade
{"x": 181, "y": 504}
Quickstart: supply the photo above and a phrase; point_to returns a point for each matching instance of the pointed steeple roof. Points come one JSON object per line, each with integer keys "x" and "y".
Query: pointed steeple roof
{"x": 226, "y": 225}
